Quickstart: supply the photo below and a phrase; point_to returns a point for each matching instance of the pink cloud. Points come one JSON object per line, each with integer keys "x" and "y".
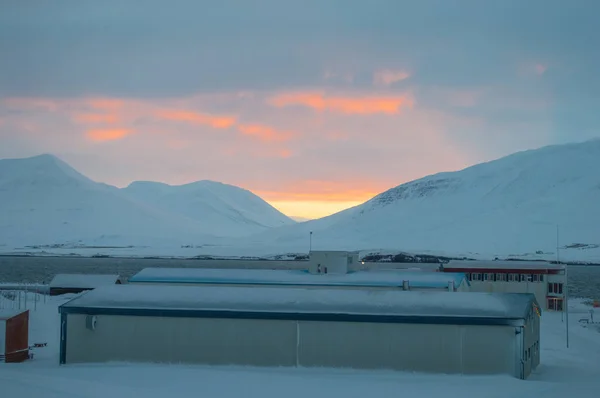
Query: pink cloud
{"x": 93, "y": 118}
{"x": 387, "y": 77}
{"x": 540, "y": 69}
{"x": 263, "y": 132}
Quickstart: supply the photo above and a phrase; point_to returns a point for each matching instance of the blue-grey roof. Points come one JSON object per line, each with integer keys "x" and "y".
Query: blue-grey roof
{"x": 416, "y": 279}
{"x": 305, "y": 304}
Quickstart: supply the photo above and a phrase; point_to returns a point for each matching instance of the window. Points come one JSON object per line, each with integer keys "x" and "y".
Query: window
{"x": 522, "y": 278}
{"x": 505, "y": 277}
{"x": 485, "y": 277}
{"x": 541, "y": 278}
{"x": 536, "y": 278}
{"x": 479, "y": 277}
{"x": 529, "y": 278}
{"x": 469, "y": 278}
{"x": 511, "y": 277}
{"x": 555, "y": 288}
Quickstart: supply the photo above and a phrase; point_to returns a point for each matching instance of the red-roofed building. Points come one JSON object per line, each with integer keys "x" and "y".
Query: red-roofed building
{"x": 546, "y": 281}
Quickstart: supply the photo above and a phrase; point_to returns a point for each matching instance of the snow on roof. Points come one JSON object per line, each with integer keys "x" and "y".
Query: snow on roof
{"x": 6, "y": 314}
{"x": 492, "y": 264}
{"x": 417, "y": 279}
{"x": 132, "y": 299}
{"x": 85, "y": 281}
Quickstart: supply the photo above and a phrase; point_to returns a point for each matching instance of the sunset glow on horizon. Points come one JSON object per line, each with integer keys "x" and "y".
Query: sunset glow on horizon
{"x": 309, "y": 105}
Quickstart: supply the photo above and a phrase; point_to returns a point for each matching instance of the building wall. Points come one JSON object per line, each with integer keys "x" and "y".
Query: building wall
{"x": 537, "y": 288}
{"x": 425, "y": 348}
{"x": 187, "y": 340}
{"x": 336, "y": 262}
{"x": 463, "y": 287}
{"x": 531, "y": 342}
{"x": 409, "y": 347}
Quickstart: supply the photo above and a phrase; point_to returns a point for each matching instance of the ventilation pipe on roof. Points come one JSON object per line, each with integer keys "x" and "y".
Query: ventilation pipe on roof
{"x": 405, "y": 285}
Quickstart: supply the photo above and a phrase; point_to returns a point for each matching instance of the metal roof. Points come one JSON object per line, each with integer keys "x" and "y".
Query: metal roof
{"x": 305, "y": 304}
{"x": 214, "y": 276}
{"x": 84, "y": 281}
{"x": 492, "y": 264}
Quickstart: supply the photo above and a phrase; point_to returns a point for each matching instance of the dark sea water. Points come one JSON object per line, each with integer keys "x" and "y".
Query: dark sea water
{"x": 584, "y": 281}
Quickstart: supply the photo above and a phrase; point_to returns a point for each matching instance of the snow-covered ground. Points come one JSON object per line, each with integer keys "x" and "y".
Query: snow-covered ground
{"x": 572, "y": 371}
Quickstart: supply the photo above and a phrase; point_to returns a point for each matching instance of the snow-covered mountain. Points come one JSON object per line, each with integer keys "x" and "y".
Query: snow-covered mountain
{"x": 224, "y": 207}
{"x": 509, "y": 206}
{"x": 45, "y": 201}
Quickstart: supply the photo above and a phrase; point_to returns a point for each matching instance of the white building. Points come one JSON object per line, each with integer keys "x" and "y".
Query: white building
{"x": 546, "y": 281}
{"x": 333, "y": 262}
{"x": 443, "y": 332}
{"x": 391, "y": 280}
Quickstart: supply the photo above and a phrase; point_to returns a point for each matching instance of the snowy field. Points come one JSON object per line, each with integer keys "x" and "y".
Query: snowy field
{"x": 563, "y": 372}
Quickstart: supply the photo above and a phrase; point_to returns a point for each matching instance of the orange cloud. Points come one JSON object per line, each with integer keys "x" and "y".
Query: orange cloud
{"x": 264, "y": 133}
{"x": 96, "y": 118}
{"x": 218, "y": 122}
{"x": 108, "y": 135}
{"x": 349, "y": 105}
{"x": 387, "y": 77}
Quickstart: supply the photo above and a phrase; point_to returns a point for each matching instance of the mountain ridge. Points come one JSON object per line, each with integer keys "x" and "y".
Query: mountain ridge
{"x": 43, "y": 200}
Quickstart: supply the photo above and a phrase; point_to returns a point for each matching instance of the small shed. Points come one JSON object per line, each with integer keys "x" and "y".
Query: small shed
{"x": 436, "y": 332}
{"x": 333, "y": 262}
{"x": 14, "y": 335}
{"x": 77, "y": 283}
{"x": 391, "y": 280}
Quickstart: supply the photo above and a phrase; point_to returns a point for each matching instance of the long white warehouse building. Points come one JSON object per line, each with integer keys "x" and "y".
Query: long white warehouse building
{"x": 407, "y": 280}
{"x": 469, "y": 333}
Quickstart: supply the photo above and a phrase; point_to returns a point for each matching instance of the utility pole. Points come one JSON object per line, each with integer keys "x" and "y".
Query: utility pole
{"x": 310, "y": 243}
{"x": 566, "y": 289}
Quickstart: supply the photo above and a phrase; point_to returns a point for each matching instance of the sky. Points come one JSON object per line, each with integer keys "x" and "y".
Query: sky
{"x": 315, "y": 105}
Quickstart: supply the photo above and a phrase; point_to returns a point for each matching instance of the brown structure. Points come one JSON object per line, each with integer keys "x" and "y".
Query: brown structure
{"x": 14, "y": 336}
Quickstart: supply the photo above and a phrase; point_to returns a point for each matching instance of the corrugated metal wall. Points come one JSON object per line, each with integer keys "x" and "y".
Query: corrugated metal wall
{"x": 426, "y": 348}
{"x": 191, "y": 340}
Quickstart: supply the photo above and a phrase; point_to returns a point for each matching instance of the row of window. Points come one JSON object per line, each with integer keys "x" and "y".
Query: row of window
{"x": 556, "y": 288}
{"x": 505, "y": 277}
{"x": 532, "y": 351}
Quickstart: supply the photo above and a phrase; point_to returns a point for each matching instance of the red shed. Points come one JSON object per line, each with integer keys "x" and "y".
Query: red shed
{"x": 14, "y": 335}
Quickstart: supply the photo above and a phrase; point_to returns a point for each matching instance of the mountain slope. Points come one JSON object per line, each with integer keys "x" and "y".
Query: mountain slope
{"x": 225, "y": 207}
{"x": 45, "y": 201}
{"x": 508, "y": 206}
